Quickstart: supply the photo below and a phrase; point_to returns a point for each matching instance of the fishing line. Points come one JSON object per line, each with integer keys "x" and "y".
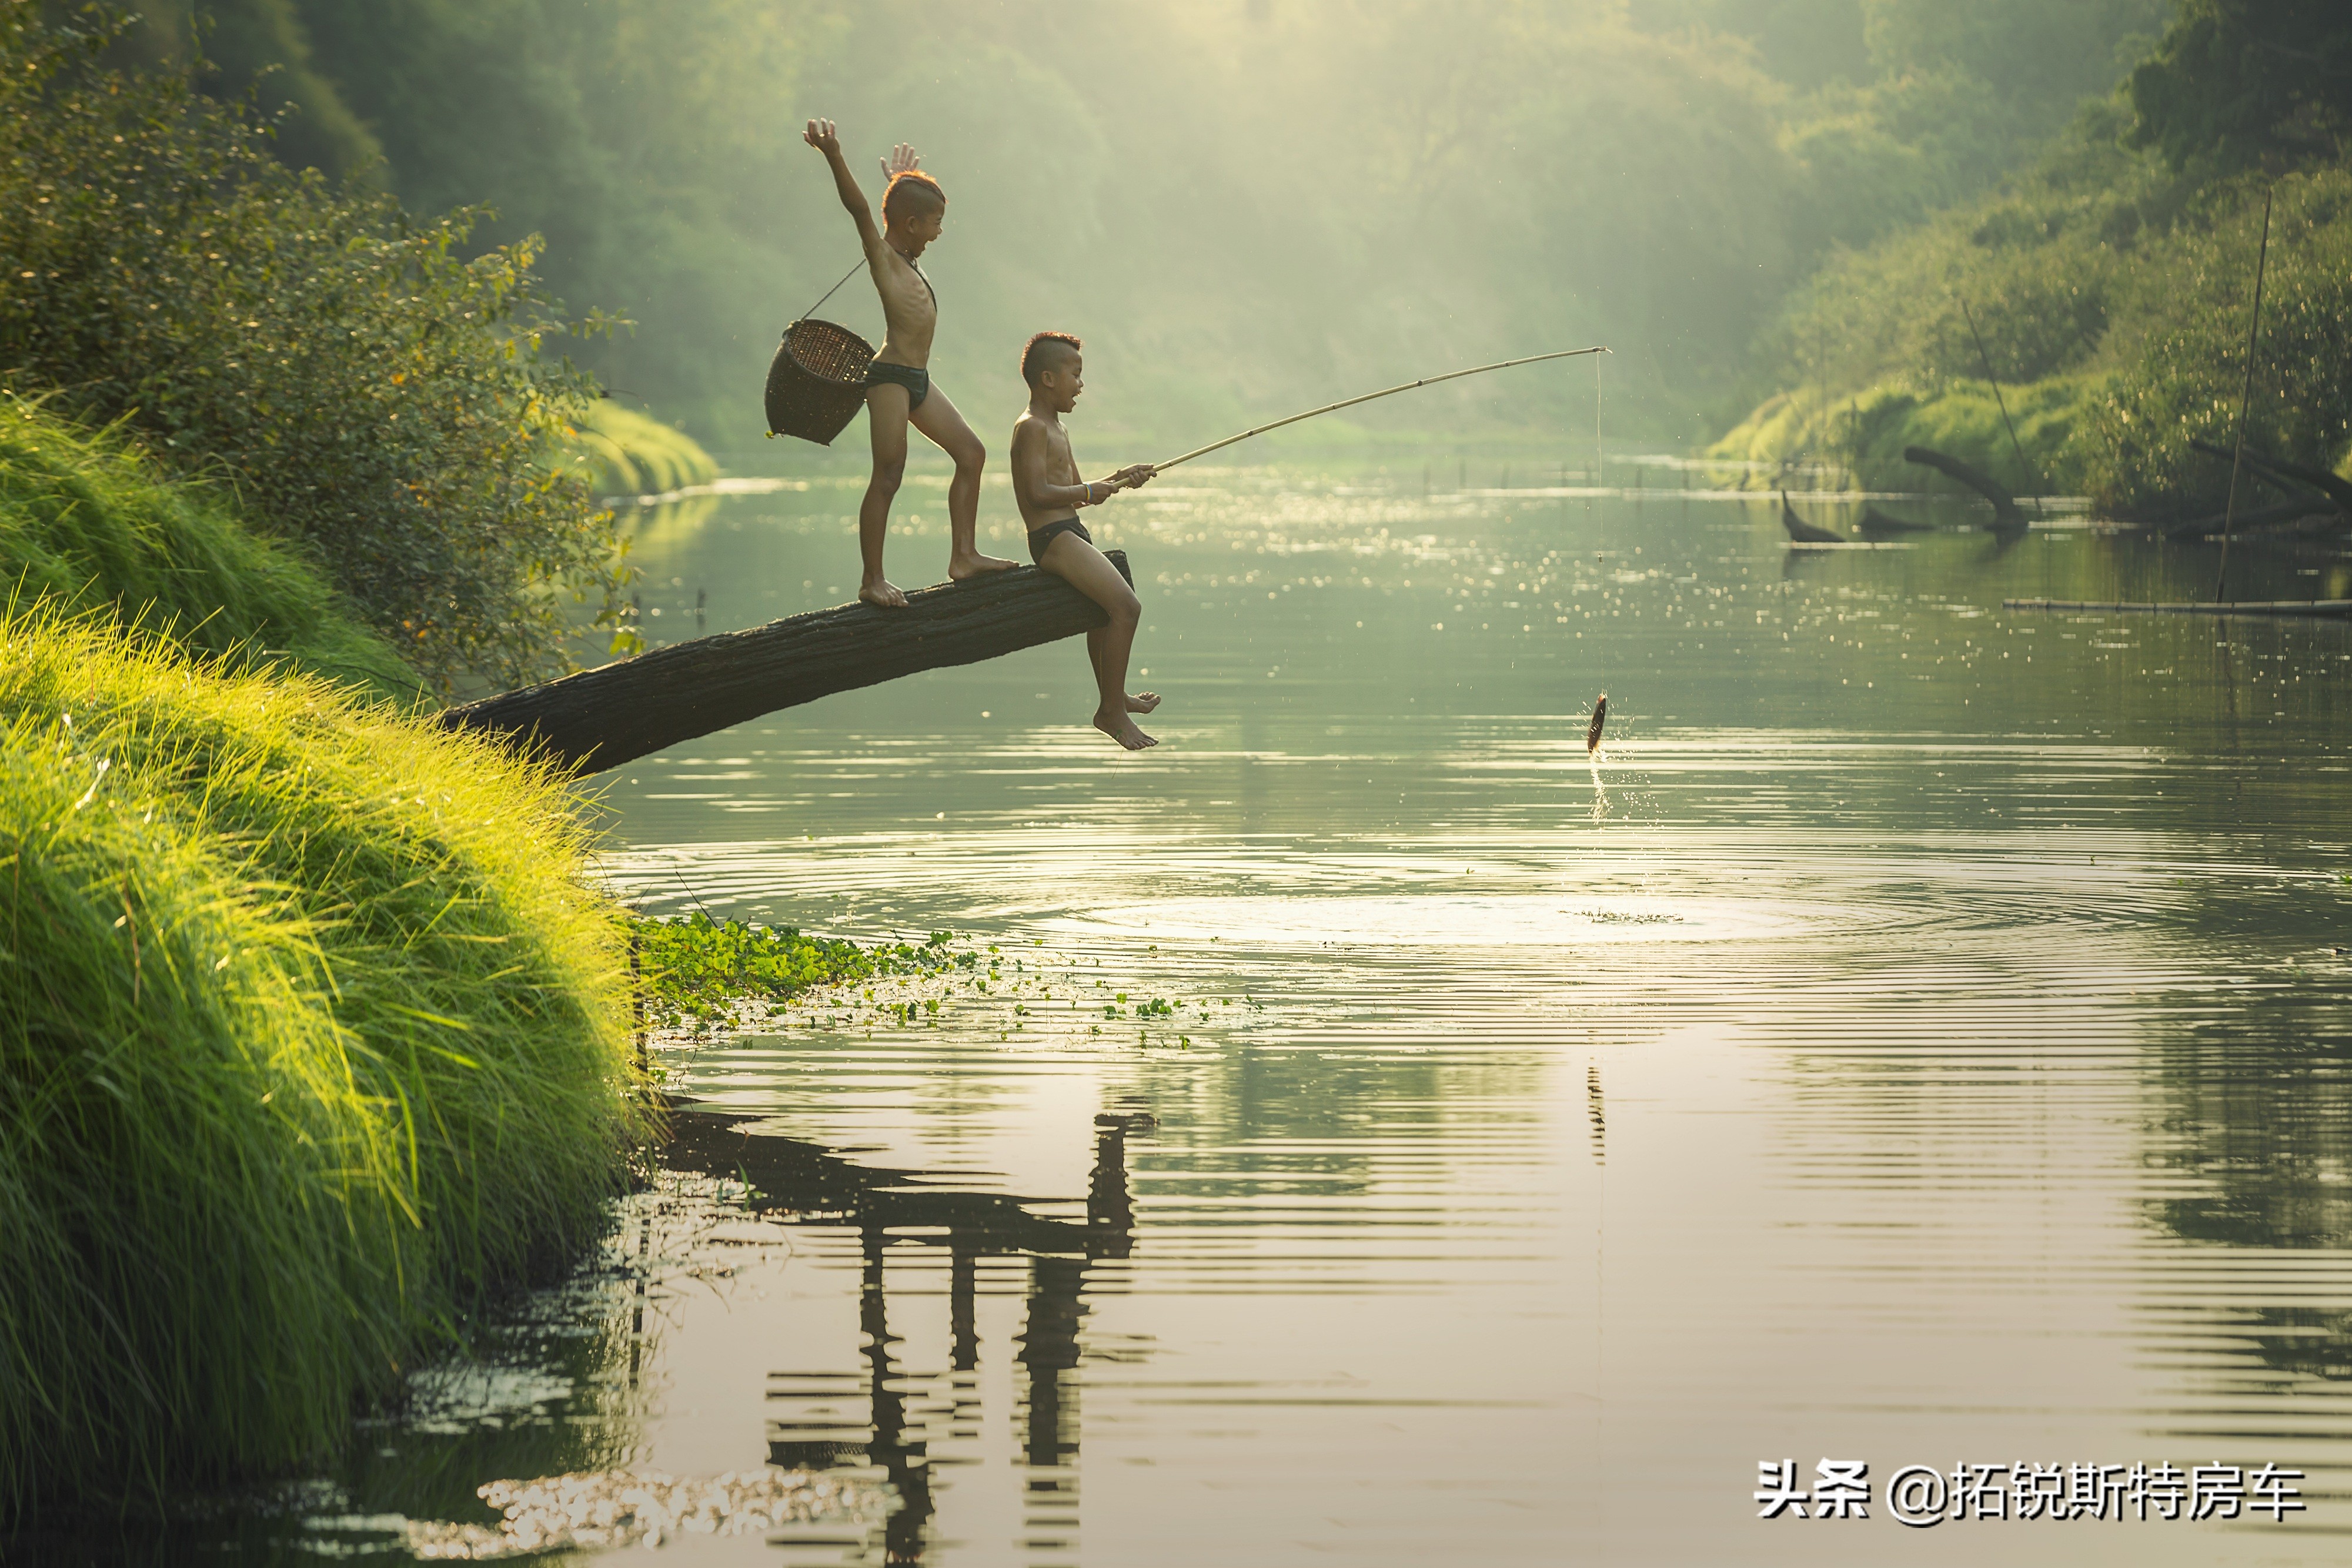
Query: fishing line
{"x": 1385, "y": 392}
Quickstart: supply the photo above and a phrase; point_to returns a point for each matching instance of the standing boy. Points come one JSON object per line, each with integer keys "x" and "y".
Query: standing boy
{"x": 1047, "y": 486}
{"x": 899, "y": 390}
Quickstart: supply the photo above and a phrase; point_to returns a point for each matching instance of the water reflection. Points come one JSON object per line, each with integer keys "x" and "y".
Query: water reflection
{"x": 816, "y": 1422}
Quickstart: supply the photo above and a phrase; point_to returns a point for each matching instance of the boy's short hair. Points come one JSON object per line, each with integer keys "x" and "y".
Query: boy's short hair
{"x": 911, "y": 194}
{"x": 1045, "y": 352}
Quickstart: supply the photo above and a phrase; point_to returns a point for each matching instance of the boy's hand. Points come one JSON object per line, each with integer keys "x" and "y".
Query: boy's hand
{"x": 820, "y": 135}
{"x": 902, "y": 159}
{"x": 1135, "y": 476}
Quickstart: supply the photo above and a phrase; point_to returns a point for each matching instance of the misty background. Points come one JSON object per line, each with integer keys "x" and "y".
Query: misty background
{"x": 1242, "y": 206}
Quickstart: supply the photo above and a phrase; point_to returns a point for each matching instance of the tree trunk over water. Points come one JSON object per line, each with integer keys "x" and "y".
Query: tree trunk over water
{"x": 603, "y": 717}
{"x": 2006, "y": 517}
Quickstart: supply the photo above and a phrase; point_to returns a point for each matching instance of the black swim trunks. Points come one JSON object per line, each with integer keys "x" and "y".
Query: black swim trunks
{"x": 918, "y": 383}
{"x": 1040, "y": 537}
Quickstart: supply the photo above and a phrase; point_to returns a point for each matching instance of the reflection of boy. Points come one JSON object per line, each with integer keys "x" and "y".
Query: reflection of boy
{"x": 1047, "y": 486}
{"x": 899, "y": 390}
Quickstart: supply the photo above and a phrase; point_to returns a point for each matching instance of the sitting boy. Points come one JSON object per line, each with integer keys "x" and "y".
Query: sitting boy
{"x": 898, "y": 390}
{"x": 1047, "y": 486}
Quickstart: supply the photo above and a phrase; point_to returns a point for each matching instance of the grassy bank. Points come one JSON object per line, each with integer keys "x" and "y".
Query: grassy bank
{"x": 311, "y": 1029}
{"x": 89, "y": 524}
{"x": 1864, "y": 434}
{"x": 621, "y": 452}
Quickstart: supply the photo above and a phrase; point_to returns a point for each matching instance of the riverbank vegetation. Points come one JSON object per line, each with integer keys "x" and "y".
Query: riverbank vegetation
{"x": 367, "y": 390}
{"x": 313, "y": 1029}
{"x": 313, "y": 1032}
{"x": 2109, "y": 287}
{"x": 89, "y": 524}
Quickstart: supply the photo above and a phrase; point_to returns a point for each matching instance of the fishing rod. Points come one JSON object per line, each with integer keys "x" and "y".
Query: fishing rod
{"x": 1387, "y": 392}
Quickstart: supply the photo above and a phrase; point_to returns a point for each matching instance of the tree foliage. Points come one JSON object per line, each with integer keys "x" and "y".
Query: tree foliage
{"x": 2246, "y": 81}
{"x": 364, "y": 385}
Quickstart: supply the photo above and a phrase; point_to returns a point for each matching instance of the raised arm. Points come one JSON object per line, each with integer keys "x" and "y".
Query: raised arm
{"x": 822, "y": 136}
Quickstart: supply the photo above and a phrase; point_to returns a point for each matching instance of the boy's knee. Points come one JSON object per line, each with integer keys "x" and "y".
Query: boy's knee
{"x": 1126, "y": 612}
{"x": 973, "y": 459}
{"x": 888, "y": 472}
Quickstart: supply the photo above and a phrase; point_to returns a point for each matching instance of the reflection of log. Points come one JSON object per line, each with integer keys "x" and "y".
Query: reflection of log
{"x": 1875, "y": 522}
{"x": 2285, "y": 516}
{"x": 2006, "y": 517}
{"x": 1804, "y": 532}
{"x": 603, "y": 717}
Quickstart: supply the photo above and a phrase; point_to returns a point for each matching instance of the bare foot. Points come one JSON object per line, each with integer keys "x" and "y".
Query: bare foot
{"x": 1122, "y": 729}
{"x": 1142, "y": 701}
{"x": 876, "y": 591}
{"x": 963, "y": 566}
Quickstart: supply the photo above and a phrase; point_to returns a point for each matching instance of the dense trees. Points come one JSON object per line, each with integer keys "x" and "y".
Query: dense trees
{"x": 360, "y": 384}
{"x": 2246, "y": 81}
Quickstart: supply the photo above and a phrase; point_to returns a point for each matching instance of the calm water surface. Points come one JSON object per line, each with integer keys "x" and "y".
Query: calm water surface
{"x": 1922, "y": 1039}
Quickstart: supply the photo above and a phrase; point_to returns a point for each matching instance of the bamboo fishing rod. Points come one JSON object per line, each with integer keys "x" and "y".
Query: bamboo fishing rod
{"x": 1386, "y": 391}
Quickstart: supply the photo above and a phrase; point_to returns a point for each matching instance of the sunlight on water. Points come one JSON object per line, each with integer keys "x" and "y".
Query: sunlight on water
{"x": 1383, "y": 1134}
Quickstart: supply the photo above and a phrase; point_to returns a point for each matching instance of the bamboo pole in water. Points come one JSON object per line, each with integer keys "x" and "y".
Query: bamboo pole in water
{"x": 2245, "y": 396}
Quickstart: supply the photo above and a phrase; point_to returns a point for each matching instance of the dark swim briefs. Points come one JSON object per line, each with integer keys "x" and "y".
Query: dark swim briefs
{"x": 1040, "y": 537}
{"x": 918, "y": 383}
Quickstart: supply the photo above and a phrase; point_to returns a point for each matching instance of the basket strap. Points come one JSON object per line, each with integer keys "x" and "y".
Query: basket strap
{"x": 834, "y": 290}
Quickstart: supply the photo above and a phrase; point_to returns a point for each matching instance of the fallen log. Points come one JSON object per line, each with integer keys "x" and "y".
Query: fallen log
{"x": 619, "y": 712}
{"x": 2006, "y": 517}
{"x": 2286, "y": 475}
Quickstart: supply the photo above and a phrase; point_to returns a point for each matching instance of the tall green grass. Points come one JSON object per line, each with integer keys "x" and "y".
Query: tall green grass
{"x": 87, "y": 522}
{"x": 310, "y": 1030}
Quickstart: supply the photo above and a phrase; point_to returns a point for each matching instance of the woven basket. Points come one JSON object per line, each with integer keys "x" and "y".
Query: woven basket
{"x": 816, "y": 382}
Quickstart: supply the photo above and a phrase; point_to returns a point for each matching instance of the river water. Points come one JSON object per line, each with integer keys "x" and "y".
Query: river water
{"x": 1920, "y": 1038}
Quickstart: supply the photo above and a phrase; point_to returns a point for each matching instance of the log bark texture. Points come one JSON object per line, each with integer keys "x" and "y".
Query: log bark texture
{"x": 603, "y": 717}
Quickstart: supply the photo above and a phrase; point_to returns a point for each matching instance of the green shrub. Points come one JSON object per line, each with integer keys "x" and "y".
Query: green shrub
{"x": 362, "y": 385}
{"x": 87, "y": 522}
{"x": 310, "y": 1030}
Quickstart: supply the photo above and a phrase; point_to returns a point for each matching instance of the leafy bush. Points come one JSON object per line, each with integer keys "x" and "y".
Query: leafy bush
{"x": 87, "y": 522}
{"x": 361, "y": 386}
{"x": 310, "y": 1030}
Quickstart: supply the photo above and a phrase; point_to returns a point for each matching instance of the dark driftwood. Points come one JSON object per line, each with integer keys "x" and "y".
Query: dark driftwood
{"x": 2006, "y": 517}
{"x": 1804, "y": 532}
{"x": 604, "y": 717}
